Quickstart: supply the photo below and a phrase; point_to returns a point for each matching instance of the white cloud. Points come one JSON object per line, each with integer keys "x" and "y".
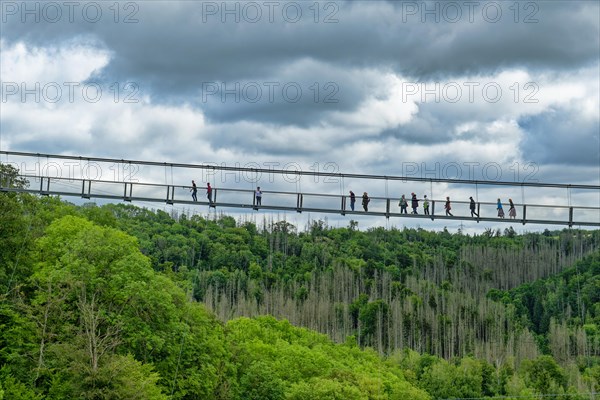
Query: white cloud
{"x": 385, "y": 108}
{"x": 74, "y": 61}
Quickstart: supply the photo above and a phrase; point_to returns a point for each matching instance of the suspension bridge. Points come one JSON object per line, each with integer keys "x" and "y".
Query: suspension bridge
{"x": 300, "y": 201}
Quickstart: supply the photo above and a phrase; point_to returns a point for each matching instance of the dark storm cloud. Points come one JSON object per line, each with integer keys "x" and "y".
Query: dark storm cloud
{"x": 561, "y": 136}
{"x": 301, "y": 95}
{"x": 425, "y": 128}
{"x": 176, "y": 50}
{"x": 176, "y": 46}
{"x": 437, "y": 122}
{"x": 559, "y": 173}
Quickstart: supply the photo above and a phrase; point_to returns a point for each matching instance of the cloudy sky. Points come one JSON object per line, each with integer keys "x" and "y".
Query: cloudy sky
{"x": 484, "y": 90}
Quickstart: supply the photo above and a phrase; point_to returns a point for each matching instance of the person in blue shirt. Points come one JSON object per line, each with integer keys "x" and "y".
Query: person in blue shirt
{"x": 500, "y": 210}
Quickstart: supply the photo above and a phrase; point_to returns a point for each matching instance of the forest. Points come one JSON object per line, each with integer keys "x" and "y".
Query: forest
{"x": 122, "y": 302}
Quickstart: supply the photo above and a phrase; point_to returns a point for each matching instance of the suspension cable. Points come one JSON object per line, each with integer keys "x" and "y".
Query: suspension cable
{"x": 311, "y": 173}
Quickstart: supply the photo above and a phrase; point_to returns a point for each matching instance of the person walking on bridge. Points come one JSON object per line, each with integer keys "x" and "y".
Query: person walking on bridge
{"x": 414, "y": 203}
{"x": 499, "y": 208}
{"x": 403, "y": 204}
{"x": 365, "y": 201}
{"x": 194, "y": 191}
{"x": 258, "y": 197}
{"x": 352, "y": 200}
{"x": 425, "y": 205}
{"x": 472, "y": 207}
{"x": 209, "y": 194}
{"x": 448, "y": 206}
{"x": 512, "y": 211}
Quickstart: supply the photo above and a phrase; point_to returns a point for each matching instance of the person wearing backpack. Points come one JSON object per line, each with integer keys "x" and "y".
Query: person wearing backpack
{"x": 403, "y": 204}
{"x": 365, "y": 201}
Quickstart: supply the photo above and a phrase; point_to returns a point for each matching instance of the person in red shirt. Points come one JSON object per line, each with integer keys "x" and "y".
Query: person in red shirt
{"x": 209, "y": 194}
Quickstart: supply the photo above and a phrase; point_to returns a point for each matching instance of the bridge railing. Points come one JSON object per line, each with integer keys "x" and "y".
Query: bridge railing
{"x": 290, "y": 201}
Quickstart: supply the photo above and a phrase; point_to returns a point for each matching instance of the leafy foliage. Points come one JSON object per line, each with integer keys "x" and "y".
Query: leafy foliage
{"x": 104, "y": 303}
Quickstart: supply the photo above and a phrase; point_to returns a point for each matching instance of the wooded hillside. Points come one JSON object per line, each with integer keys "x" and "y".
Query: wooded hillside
{"x": 120, "y": 302}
